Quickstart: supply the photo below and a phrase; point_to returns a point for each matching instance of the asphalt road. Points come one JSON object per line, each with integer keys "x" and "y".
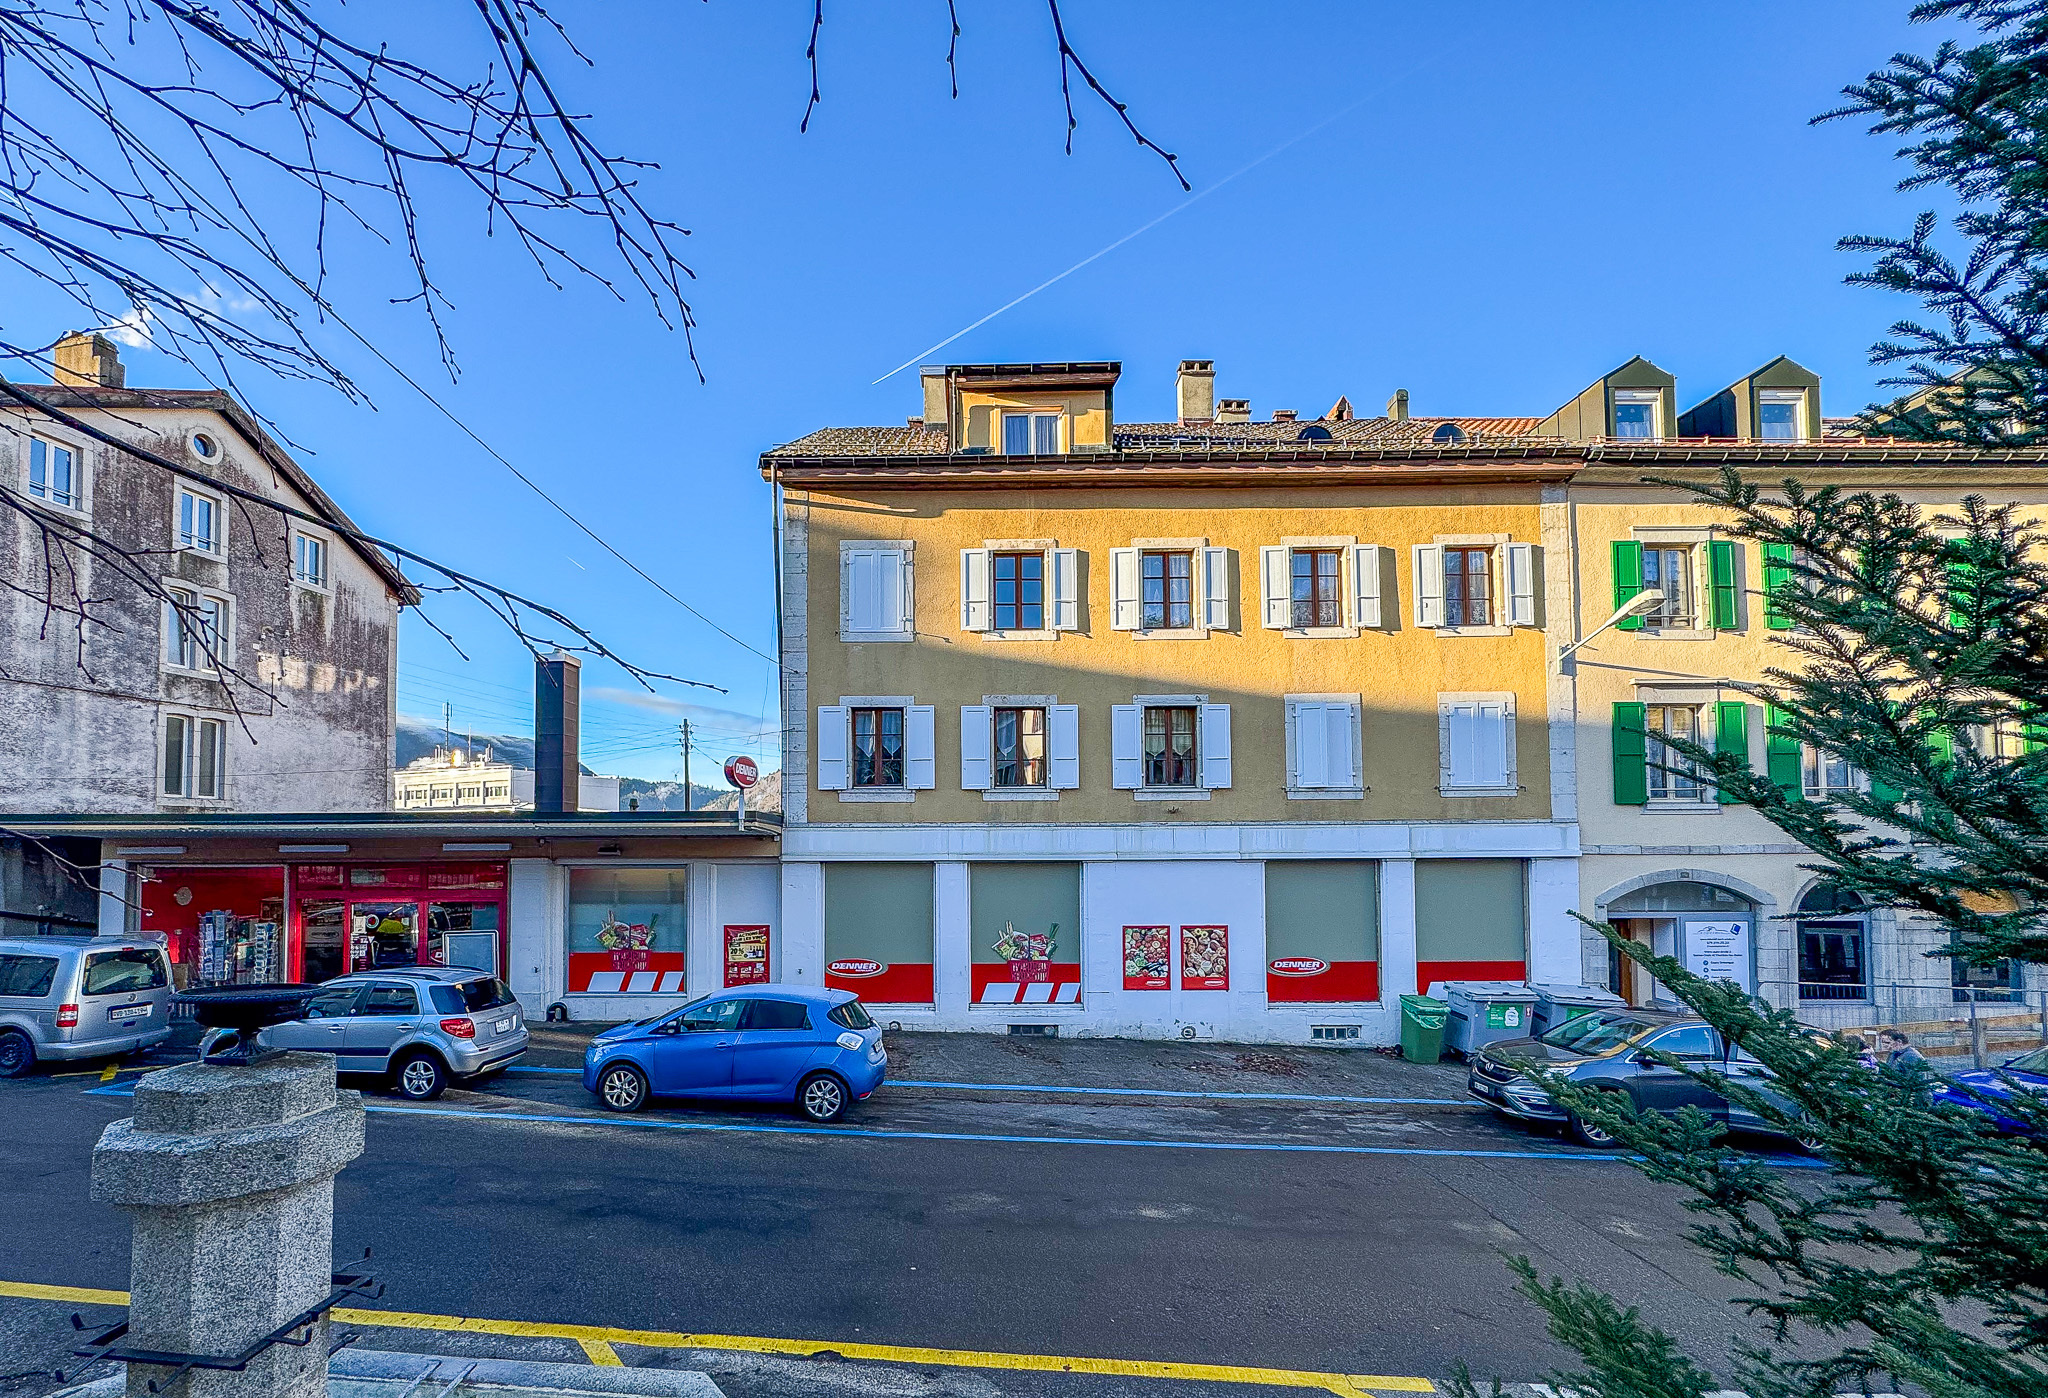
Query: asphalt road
{"x": 1352, "y": 1237}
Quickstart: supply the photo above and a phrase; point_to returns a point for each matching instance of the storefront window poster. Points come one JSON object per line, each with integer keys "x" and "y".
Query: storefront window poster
{"x": 746, "y": 955}
{"x": 1204, "y": 958}
{"x": 1147, "y": 957}
{"x": 1029, "y": 954}
{"x": 626, "y": 931}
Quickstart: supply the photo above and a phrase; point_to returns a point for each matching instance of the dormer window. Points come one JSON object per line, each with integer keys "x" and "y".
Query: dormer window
{"x": 1637, "y": 414}
{"x": 1031, "y": 434}
{"x": 1781, "y": 415}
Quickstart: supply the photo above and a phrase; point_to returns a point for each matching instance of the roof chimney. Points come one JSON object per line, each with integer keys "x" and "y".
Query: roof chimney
{"x": 88, "y": 359}
{"x": 557, "y": 725}
{"x": 1397, "y": 406}
{"x": 1285, "y": 415}
{"x": 1340, "y": 411}
{"x": 1195, "y": 387}
{"x": 933, "y": 377}
{"x": 1233, "y": 410}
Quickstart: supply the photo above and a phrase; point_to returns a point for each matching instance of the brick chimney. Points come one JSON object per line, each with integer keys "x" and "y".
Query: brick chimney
{"x": 1285, "y": 415}
{"x": 1397, "y": 406}
{"x": 1195, "y": 388}
{"x": 87, "y": 359}
{"x": 1233, "y": 410}
{"x": 557, "y": 725}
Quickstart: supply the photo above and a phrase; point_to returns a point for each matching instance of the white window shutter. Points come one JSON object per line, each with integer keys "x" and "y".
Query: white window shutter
{"x": 975, "y": 613}
{"x": 1275, "y": 586}
{"x": 1429, "y": 584}
{"x": 1216, "y": 589}
{"x": 1367, "y": 574}
{"x": 834, "y": 738}
{"x": 920, "y": 747}
{"x": 975, "y": 742}
{"x": 1475, "y": 734}
{"x": 1311, "y": 745}
{"x": 1521, "y": 584}
{"x": 1339, "y": 724}
{"x": 1123, "y": 589}
{"x": 902, "y": 593}
{"x": 1063, "y": 735}
{"x": 1214, "y": 754}
{"x": 848, "y": 564}
{"x": 1066, "y": 589}
{"x": 1126, "y": 747}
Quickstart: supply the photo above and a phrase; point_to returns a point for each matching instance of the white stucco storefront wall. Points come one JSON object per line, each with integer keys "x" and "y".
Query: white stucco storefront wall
{"x": 718, "y": 892}
{"x": 1194, "y": 874}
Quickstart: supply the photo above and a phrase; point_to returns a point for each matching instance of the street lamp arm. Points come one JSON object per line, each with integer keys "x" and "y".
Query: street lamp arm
{"x": 1641, "y": 604}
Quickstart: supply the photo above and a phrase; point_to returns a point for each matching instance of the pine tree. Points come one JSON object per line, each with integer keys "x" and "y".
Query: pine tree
{"x": 1917, "y": 650}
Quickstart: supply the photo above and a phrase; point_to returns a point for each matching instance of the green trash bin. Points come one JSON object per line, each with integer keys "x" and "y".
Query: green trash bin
{"x": 1422, "y": 1028}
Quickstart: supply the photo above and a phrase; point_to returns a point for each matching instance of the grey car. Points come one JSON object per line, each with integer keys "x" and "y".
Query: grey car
{"x": 64, "y": 998}
{"x": 1614, "y": 1051}
{"x": 420, "y": 1028}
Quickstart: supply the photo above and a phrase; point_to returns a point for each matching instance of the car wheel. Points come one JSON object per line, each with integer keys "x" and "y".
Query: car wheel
{"x": 420, "y": 1078}
{"x": 1810, "y": 1139}
{"x": 821, "y": 1097}
{"x": 622, "y": 1088}
{"x": 1588, "y": 1133}
{"x": 17, "y": 1054}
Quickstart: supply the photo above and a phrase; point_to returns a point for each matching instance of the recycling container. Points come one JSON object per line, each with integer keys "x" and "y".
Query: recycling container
{"x": 1557, "y": 1003}
{"x": 1481, "y": 1012}
{"x": 1422, "y": 1028}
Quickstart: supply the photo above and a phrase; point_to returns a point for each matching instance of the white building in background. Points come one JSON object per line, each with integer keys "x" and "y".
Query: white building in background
{"x": 452, "y": 779}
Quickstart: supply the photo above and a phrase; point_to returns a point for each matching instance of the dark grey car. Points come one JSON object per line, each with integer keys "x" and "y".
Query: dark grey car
{"x": 1611, "y": 1050}
{"x": 420, "y": 1028}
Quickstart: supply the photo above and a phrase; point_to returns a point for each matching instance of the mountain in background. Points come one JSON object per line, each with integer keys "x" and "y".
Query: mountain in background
{"x": 418, "y": 737}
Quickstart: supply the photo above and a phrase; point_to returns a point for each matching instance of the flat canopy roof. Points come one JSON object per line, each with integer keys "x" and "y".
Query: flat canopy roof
{"x": 666, "y": 825}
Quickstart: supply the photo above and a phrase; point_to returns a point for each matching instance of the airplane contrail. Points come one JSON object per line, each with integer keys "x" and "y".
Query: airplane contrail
{"x": 1147, "y": 227}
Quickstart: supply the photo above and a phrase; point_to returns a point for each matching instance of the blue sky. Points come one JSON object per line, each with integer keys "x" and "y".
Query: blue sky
{"x": 1514, "y": 199}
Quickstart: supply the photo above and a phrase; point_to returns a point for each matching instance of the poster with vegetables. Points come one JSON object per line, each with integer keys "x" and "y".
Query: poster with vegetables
{"x": 1147, "y": 956}
{"x": 1204, "y": 958}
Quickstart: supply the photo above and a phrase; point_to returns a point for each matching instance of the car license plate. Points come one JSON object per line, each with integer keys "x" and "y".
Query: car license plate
{"x": 122, "y": 1013}
{"x": 502, "y": 1026}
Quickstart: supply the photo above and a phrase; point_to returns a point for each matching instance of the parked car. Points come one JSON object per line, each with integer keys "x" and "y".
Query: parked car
{"x": 1609, "y": 1050}
{"x": 65, "y": 998}
{"x": 818, "y": 1050}
{"x": 1982, "y": 1089}
{"x": 419, "y": 1027}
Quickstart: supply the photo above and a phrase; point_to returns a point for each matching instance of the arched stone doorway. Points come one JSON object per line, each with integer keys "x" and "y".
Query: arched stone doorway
{"x": 1706, "y": 925}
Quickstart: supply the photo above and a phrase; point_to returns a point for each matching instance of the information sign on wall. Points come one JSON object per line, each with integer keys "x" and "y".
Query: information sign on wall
{"x": 1718, "y": 950}
{"x": 746, "y": 954}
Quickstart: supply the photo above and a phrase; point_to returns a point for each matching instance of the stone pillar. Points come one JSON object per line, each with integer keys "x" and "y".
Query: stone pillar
{"x": 228, "y": 1171}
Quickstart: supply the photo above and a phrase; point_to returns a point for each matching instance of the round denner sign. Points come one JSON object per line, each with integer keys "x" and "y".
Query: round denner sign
{"x": 741, "y": 772}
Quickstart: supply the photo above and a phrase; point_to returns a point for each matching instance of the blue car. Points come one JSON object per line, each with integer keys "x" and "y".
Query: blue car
{"x": 816, "y": 1049}
{"x": 1989, "y": 1086}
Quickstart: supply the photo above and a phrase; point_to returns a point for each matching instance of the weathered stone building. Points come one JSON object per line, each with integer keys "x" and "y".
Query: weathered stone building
{"x": 268, "y": 685}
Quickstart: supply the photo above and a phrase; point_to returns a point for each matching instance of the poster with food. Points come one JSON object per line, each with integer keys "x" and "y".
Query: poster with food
{"x": 628, "y": 942}
{"x": 1029, "y": 954}
{"x": 1205, "y": 958}
{"x": 1148, "y": 954}
{"x": 746, "y": 955}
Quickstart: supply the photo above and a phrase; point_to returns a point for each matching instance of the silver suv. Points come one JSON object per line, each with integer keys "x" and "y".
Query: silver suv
{"x": 421, "y": 1028}
{"x": 80, "y": 997}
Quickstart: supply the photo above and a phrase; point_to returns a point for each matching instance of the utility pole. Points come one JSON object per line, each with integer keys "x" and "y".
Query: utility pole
{"x": 686, "y": 764}
{"x": 448, "y": 726}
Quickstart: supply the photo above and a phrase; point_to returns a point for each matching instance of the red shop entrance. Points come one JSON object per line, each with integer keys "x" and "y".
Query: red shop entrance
{"x": 356, "y": 917}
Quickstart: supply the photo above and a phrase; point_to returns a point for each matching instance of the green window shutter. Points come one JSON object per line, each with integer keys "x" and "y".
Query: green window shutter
{"x": 2034, "y": 732}
{"x": 1782, "y": 756}
{"x": 1731, "y": 735}
{"x": 1777, "y": 573}
{"x": 1631, "y": 755}
{"x": 1942, "y": 742}
{"x": 1628, "y": 578}
{"x": 1721, "y": 576}
{"x": 1884, "y": 791}
{"x": 1959, "y": 573}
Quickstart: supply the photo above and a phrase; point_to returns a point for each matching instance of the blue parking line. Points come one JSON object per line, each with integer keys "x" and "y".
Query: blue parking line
{"x": 743, "y": 1128}
{"x": 1136, "y": 1092}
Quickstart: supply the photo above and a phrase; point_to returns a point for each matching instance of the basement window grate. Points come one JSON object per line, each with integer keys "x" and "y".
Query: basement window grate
{"x": 1042, "y": 1031}
{"x": 1332, "y": 1033}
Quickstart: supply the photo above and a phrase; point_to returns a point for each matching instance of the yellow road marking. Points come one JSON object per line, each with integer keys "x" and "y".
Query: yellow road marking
{"x": 107, "y": 1074}
{"x": 600, "y": 1338}
{"x": 602, "y": 1353}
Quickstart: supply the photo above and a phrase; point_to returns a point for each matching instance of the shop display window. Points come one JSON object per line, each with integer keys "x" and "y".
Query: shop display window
{"x": 878, "y": 931}
{"x": 1322, "y": 931}
{"x": 1025, "y": 926}
{"x": 626, "y": 931}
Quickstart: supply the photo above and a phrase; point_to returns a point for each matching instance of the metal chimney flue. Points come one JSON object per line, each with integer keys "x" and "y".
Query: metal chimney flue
{"x": 557, "y": 724}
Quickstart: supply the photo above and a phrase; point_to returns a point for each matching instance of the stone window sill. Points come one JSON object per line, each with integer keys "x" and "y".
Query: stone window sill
{"x": 1019, "y": 793}
{"x": 879, "y": 795}
{"x": 1171, "y": 793}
